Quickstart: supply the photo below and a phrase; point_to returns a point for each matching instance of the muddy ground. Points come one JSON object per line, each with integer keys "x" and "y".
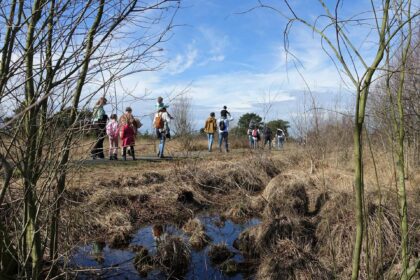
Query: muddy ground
{"x": 307, "y": 220}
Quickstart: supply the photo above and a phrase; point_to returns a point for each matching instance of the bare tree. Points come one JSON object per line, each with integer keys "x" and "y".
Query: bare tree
{"x": 53, "y": 54}
{"x": 333, "y": 30}
{"x": 183, "y": 122}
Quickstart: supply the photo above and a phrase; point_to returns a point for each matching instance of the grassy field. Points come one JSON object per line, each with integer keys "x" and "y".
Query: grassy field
{"x": 306, "y": 208}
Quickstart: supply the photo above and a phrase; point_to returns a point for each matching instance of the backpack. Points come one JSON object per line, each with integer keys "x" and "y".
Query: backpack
{"x": 222, "y": 125}
{"x": 255, "y": 133}
{"x": 158, "y": 123}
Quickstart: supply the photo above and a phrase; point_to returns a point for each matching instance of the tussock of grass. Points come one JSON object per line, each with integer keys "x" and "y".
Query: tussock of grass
{"x": 289, "y": 261}
{"x": 246, "y": 242}
{"x": 193, "y": 225}
{"x": 286, "y": 195}
{"x": 250, "y": 174}
{"x": 199, "y": 240}
{"x": 239, "y": 212}
{"x": 173, "y": 255}
{"x": 336, "y": 229}
{"x": 118, "y": 225}
{"x": 143, "y": 262}
{"x": 198, "y": 237}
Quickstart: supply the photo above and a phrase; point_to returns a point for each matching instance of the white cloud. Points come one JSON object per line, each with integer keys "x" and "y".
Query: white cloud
{"x": 215, "y": 43}
{"x": 182, "y": 62}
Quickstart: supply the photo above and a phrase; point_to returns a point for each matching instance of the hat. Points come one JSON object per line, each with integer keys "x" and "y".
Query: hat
{"x": 128, "y": 109}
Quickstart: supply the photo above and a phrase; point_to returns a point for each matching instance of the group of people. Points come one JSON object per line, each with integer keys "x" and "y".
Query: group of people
{"x": 221, "y": 125}
{"x": 125, "y": 128}
{"x": 254, "y": 137}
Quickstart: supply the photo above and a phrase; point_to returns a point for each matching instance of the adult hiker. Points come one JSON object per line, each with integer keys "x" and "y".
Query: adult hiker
{"x": 223, "y": 124}
{"x": 268, "y": 136}
{"x": 280, "y": 138}
{"x": 99, "y": 120}
{"x": 210, "y": 128}
{"x": 161, "y": 124}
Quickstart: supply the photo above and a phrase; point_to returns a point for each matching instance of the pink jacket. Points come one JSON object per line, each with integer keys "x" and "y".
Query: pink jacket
{"x": 127, "y": 135}
{"x": 112, "y": 129}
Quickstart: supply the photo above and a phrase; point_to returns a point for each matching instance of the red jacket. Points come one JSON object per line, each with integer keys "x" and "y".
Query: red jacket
{"x": 127, "y": 135}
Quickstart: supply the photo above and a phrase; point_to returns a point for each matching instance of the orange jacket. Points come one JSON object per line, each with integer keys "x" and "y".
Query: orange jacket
{"x": 211, "y": 125}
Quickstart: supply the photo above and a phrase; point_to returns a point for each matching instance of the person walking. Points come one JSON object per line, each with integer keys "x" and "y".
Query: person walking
{"x": 250, "y": 138}
{"x": 112, "y": 130}
{"x": 255, "y": 137}
{"x": 161, "y": 124}
{"x": 210, "y": 128}
{"x": 268, "y": 136}
{"x": 280, "y": 138}
{"x": 99, "y": 120}
{"x": 128, "y": 129}
{"x": 223, "y": 124}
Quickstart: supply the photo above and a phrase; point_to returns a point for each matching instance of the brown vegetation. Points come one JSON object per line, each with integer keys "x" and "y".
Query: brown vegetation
{"x": 307, "y": 219}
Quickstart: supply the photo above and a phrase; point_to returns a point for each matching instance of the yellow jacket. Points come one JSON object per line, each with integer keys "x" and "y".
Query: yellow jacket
{"x": 211, "y": 125}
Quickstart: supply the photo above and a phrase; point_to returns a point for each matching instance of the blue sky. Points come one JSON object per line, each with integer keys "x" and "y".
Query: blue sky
{"x": 226, "y": 57}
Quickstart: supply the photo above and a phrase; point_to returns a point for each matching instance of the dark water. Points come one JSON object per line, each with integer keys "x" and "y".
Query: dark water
{"x": 113, "y": 263}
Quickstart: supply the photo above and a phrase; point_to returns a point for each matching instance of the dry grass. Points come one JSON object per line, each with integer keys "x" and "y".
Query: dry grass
{"x": 198, "y": 237}
{"x": 307, "y": 227}
{"x": 143, "y": 262}
{"x": 173, "y": 255}
{"x": 286, "y": 195}
{"x": 291, "y": 261}
{"x": 335, "y": 233}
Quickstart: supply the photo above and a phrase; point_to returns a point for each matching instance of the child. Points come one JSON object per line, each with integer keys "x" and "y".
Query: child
{"x": 128, "y": 139}
{"x": 112, "y": 132}
{"x": 225, "y": 113}
{"x": 160, "y": 105}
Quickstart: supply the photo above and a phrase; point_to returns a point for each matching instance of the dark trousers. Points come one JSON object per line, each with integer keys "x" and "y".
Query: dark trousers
{"x": 98, "y": 148}
{"x": 124, "y": 153}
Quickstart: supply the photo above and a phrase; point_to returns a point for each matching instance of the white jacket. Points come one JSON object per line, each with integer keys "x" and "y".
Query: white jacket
{"x": 166, "y": 120}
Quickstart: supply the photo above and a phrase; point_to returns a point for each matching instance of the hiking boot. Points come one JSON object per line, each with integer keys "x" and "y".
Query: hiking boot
{"x": 124, "y": 158}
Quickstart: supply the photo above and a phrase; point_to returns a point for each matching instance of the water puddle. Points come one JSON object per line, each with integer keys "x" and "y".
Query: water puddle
{"x": 99, "y": 261}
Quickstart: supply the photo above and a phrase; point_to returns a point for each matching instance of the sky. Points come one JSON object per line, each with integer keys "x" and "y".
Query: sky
{"x": 224, "y": 52}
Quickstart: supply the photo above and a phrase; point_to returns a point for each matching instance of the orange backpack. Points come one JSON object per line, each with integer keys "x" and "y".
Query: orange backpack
{"x": 158, "y": 123}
